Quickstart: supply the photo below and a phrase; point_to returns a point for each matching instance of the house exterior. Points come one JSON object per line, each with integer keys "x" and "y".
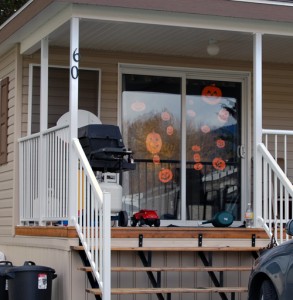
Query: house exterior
{"x": 201, "y": 91}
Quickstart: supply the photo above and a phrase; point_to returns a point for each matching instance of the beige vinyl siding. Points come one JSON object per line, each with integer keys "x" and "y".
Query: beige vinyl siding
{"x": 8, "y": 69}
{"x": 278, "y": 97}
{"x": 54, "y": 253}
{"x": 58, "y": 95}
{"x": 278, "y": 106}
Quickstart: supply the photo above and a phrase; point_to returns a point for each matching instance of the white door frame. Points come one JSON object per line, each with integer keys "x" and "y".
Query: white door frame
{"x": 221, "y": 75}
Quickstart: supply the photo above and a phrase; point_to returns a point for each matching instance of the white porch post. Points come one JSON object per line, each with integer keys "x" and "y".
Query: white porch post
{"x": 73, "y": 108}
{"x": 184, "y": 207}
{"x": 43, "y": 123}
{"x": 44, "y": 84}
{"x": 257, "y": 124}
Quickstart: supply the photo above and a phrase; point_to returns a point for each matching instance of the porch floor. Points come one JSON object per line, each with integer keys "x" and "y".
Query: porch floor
{"x": 158, "y": 237}
{"x": 148, "y": 232}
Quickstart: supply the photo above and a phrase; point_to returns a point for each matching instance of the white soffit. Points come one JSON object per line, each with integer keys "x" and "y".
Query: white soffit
{"x": 181, "y": 20}
{"x": 134, "y": 16}
{"x": 33, "y": 40}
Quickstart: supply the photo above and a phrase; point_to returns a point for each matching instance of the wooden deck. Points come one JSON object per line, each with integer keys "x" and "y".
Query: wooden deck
{"x": 182, "y": 238}
{"x": 148, "y": 232}
{"x": 150, "y": 245}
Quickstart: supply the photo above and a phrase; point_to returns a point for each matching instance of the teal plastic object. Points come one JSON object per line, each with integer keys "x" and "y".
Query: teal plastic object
{"x": 221, "y": 219}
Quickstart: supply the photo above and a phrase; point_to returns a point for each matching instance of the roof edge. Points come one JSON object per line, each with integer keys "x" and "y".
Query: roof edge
{"x": 15, "y": 14}
{"x": 21, "y": 17}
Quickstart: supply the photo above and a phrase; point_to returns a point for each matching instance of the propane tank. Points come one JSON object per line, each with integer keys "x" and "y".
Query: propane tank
{"x": 111, "y": 186}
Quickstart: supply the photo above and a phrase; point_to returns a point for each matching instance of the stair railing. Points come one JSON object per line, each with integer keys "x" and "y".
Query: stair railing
{"x": 93, "y": 222}
{"x": 277, "y": 191}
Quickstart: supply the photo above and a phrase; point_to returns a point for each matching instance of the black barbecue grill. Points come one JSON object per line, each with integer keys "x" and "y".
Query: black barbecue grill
{"x": 104, "y": 148}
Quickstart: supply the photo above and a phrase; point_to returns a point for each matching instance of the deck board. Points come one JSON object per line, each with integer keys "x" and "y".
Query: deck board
{"x": 181, "y": 249}
{"x": 174, "y": 269}
{"x": 128, "y": 291}
{"x": 148, "y": 232}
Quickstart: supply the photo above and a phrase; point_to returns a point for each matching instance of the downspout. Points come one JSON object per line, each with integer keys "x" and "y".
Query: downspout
{"x": 257, "y": 125}
{"x": 43, "y": 123}
{"x": 73, "y": 109}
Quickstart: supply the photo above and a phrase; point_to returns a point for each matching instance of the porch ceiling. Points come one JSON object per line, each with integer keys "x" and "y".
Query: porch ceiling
{"x": 171, "y": 40}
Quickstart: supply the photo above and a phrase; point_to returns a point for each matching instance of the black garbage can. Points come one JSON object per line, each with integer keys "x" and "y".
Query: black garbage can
{"x": 30, "y": 282}
{"x": 4, "y": 265}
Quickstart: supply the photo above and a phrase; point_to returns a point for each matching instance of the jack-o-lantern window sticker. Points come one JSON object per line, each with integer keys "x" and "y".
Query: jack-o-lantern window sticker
{"x": 211, "y": 94}
{"x": 153, "y": 142}
{"x": 196, "y": 148}
{"x": 198, "y": 166}
{"x": 221, "y": 143}
{"x": 191, "y": 113}
{"x": 219, "y": 164}
{"x": 205, "y": 129}
{"x": 223, "y": 115}
{"x": 196, "y": 157}
{"x": 165, "y": 175}
{"x": 156, "y": 159}
{"x": 138, "y": 106}
{"x": 165, "y": 116}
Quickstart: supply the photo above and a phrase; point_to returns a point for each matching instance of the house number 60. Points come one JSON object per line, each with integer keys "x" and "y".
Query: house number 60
{"x": 74, "y": 70}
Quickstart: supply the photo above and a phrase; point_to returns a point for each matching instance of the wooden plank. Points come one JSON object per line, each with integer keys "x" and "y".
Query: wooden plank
{"x": 118, "y": 243}
{"x": 47, "y": 231}
{"x": 150, "y": 232}
{"x": 182, "y": 249}
{"x": 173, "y": 269}
{"x": 129, "y": 291}
{"x": 188, "y": 232}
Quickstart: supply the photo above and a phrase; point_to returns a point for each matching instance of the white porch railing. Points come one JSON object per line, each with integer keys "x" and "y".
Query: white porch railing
{"x": 93, "y": 223}
{"x": 280, "y": 145}
{"x": 277, "y": 191}
{"x": 43, "y": 175}
{"x": 44, "y": 190}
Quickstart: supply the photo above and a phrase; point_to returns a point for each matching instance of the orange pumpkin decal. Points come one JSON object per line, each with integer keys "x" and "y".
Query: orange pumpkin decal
{"x": 165, "y": 116}
{"x": 196, "y": 157}
{"x": 165, "y": 175}
{"x": 138, "y": 106}
{"x": 153, "y": 142}
{"x": 156, "y": 159}
{"x": 221, "y": 143}
{"x": 211, "y": 94}
{"x": 198, "y": 166}
{"x": 195, "y": 148}
{"x": 205, "y": 129}
{"x": 219, "y": 164}
{"x": 170, "y": 130}
{"x": 223, "y": 115}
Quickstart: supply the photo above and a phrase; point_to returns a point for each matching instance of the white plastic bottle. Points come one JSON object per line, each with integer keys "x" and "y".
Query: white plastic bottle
{"x": 249, "y": 216}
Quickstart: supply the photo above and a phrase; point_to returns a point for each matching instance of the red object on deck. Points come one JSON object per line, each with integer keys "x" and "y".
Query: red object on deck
{"x": 145, "y": 217}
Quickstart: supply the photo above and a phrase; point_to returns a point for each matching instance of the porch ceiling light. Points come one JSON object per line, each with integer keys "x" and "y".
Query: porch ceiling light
{"x": 213, "y": 47}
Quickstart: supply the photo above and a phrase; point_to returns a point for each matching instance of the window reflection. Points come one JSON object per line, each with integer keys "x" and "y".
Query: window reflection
{"x": 151, "y": 126}
{"x": 213, "y": 137}
{"x": 151, "y": 114}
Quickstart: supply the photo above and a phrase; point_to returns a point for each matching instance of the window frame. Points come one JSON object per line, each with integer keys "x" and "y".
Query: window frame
{"x": 30, "y": 90}
{"x": 214, "y": 74}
